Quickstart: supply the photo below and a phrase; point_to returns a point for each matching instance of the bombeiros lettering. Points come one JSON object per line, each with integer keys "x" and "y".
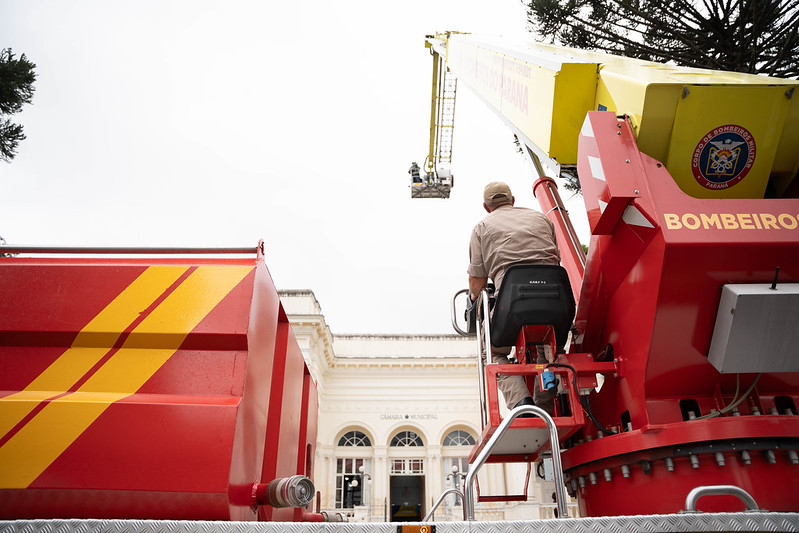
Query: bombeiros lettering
{"x": 732, "y": 221}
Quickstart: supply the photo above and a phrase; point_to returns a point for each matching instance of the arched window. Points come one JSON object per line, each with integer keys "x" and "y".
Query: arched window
{"x": 459, "y": 438}
{"x": 349, "y": 482}
{"x": 455, "y": 465}
{"x": 350, "y": 469}
{"x": 354, "y": 438}
{"x": 406, "y": 438}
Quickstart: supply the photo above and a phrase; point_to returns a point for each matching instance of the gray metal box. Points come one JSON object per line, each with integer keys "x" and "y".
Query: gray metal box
{"x": 757, "y": 329}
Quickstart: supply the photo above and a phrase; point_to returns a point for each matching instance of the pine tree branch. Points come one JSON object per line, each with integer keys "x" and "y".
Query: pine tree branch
{"x": 733, "y": 35}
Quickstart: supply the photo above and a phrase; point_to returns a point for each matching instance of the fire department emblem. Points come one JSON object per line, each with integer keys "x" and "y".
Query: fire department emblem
{"x": 723, "y": 157}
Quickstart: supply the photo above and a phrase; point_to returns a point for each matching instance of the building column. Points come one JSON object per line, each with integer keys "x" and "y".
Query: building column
{"x": 326, "y": 470}
{"x": 380, "y": 483}
{"x": 433, "y": 478}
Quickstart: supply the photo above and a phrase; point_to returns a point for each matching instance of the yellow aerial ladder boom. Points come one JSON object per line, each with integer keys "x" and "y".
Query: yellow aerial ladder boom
{"x": 690, "y": 180}
{"x": 543, "y": 92}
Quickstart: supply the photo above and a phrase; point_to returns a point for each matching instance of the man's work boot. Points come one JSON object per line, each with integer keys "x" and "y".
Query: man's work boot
{"x": 525, "y": 401}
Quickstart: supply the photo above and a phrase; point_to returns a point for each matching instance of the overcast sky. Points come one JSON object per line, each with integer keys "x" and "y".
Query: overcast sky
{"x": 201, "y": 123}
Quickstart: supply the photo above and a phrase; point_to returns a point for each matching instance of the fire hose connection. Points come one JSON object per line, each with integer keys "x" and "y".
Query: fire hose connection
{"x": 294, "y": 491}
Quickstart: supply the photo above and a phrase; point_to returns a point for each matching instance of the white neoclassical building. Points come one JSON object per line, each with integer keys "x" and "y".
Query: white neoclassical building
{"x": 398, "y": 416}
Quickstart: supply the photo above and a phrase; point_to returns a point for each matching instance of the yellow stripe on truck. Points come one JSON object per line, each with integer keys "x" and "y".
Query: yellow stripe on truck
{"x": 165, "y": 329}
{"x": 34, "y": 448}
{"x": 31, "y": 450}
{"x": 90, "y": 345}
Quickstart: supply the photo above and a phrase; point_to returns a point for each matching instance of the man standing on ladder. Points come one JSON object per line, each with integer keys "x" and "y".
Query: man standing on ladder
{"x": 510, "y": 236}
{"x": 414, "y": 172}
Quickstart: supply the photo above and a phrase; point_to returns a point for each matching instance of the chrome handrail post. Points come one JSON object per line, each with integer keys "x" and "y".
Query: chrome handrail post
{"x": 453, "y": 314}
{"x": 483, "y": 324}
{"x": 708, "y": 490}
{"x": 560, "y": 489}
{"x": 431, "y": 515}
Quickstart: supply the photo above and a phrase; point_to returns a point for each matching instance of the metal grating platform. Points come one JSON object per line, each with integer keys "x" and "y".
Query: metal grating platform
{"x": 689, "y": 522}
{"x": 431, "y": 191}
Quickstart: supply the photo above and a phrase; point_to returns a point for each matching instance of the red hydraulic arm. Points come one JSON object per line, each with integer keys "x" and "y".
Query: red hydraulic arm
{"x": 572, "y": 256}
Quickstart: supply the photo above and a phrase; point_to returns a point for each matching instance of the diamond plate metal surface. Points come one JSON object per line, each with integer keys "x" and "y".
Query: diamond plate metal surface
{"x": 698, "y": 522}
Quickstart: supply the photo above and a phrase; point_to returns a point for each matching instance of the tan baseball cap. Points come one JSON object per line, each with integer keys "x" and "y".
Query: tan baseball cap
{"x": 496, "y": 193}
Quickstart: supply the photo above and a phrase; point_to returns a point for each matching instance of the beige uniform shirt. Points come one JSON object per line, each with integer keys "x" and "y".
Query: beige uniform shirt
{"x": 511, "y": 236}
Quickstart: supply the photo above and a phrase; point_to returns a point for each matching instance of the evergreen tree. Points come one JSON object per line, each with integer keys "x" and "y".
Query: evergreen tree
{"x": 16, "y": 89}
{"x": 755, "y": 36}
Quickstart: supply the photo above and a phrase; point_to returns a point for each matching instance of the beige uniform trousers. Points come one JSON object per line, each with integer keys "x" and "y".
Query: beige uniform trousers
{"x": 514, "y": 388}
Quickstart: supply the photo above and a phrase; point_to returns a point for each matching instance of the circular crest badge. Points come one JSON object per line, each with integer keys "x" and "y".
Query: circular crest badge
{"x": 723, "y": 157}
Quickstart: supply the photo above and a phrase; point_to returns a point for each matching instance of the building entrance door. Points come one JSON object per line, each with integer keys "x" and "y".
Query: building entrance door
{"x": 407, "y": 495}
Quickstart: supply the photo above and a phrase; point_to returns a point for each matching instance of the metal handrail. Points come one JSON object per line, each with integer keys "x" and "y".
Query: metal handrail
{"x": 122, "y": 250}
{"x": 557, "y": 465}
{"x": 482, "y": 299}
{"x": 431, "y": 515}
{"x": 453, "y": 314}
{"x": 566, "y": 223}
{"x": 727, "y": 490}
{"x": 481, "y": 323}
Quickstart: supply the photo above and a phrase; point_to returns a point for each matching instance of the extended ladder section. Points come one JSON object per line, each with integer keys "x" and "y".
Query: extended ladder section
{"x": 445, "y": 123}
